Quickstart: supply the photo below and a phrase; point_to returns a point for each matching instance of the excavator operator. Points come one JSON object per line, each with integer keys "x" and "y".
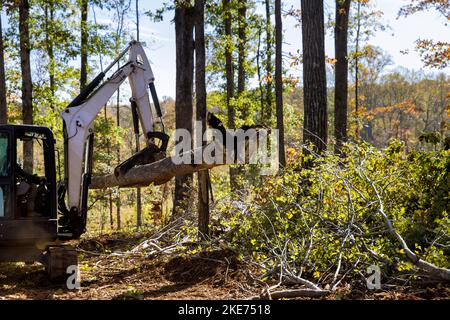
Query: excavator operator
{"x": 29, "y": 187}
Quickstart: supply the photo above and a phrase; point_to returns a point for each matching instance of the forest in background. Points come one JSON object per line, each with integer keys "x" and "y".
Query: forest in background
{"x": 364, "y": 154}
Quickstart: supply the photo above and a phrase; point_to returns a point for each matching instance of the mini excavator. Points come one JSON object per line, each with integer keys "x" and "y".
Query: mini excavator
{"x": 38, "y": 216}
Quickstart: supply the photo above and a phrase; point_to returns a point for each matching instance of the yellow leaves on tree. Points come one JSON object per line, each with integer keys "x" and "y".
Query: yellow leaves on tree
{"x": 407, "y": 107}
{"x": 434, "y": 54}
{"x": 442, "y": 6}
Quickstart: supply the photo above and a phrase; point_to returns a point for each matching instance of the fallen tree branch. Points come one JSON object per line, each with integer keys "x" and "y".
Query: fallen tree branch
{"x": 426, "y": 266}
{"x": 157, "y": 173}
{"x": 299, "y": 280}
{"x": 294, "y": 293}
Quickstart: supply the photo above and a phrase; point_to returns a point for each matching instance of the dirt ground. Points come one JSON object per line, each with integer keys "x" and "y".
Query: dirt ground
{"x": 213, "y": 274}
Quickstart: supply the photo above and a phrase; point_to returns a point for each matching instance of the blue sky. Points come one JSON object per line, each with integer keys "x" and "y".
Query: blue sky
{"x": 160, "y": 37}
{"x": 401, "y": 36}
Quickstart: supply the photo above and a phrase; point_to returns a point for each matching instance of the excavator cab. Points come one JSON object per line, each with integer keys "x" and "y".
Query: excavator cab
{"x": 28, "y": 211}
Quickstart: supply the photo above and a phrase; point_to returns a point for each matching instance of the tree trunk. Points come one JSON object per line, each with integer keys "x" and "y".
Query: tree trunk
{"x": 242, "y": 34}
{"x": 27, "y": 83}
{"x": 3, "y": 104}
{"x": 118, "y": 200}
{"x": 184, "y": 27}
{"x": 118, "y": 212}
{"x": 229, "y": 63}
{"x": 269, "y": 66}
{"x": 49, "y": 25}
{"x": 110, "y": 198}
{"x": 341, "y": 72}
{"x": 238, "y": 171}
{"x": 138, "y": 29}
{"x": 259, "y": 71}
{"x": 111, "y": 219}
{"x": 138, "y": 190}
{"x": 279, "y": 81}
{"x": 200, "y": 92}
{"x": 314, "y": 74}
{"x": 138, "y": 207}
{"x": 84, "y": 43}
{"x": 358, "y": 31}
{"x": 138, "y": 193}
{"x": 229, "y": 73}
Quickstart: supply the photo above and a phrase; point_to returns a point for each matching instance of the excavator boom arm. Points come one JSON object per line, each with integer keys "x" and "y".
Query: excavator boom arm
{"x": 78, "y": 119}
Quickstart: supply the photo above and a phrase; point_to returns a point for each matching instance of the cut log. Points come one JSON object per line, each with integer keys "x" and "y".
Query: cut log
{"x": 289, "y": 294}
{"x": 156, "y": 173}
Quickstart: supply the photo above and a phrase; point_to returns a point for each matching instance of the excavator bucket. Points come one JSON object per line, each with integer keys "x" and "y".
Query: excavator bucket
{"x": 150, "y": 154}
